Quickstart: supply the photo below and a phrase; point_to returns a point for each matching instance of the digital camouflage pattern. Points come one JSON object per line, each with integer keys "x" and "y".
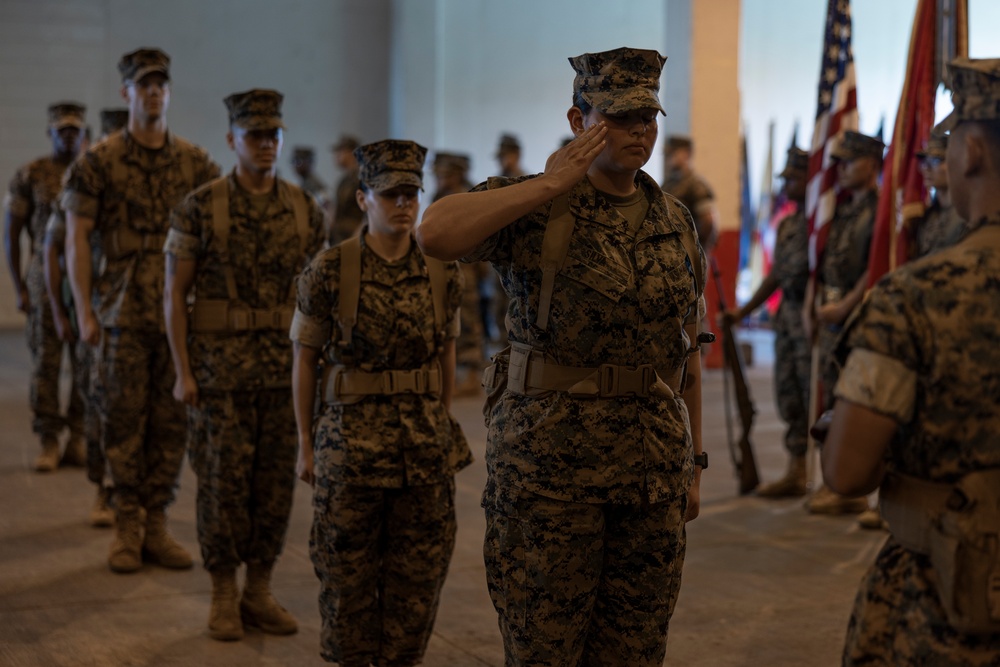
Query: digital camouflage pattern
{"x": 844, "y": 261}
{"x": 130, "y": 291}
{"x": 85, "y": 370}
{"x": 621, "y": 298}
{"x": 347, "y": 215}
{"x": 620, "y": 80}
{"x": 563, "y": 577}
{"x": 940, "y": 227}
{"x": 384, "y": 466}
{"x": 854, "y": 145}
{"x": 936, "y": 147}
{"x": 623, "y": 464}
{"x": 242, "y": 449}
{"x": 975, "y": 86}
{"x": 382, "y": 555}
{"x": 137, "y": 64}
{"x": 690, "y": 188}
{"x": 113, "y": 120}
{"x": 256, "y": 109}
{"x": 931, "y": 327}
{"x": 32, "y": 197}
{"x": 67, "y": 114}
{"x": 792, "y": 354}
{"x": 386, "y": 164}
{"x": 264, "y": 253}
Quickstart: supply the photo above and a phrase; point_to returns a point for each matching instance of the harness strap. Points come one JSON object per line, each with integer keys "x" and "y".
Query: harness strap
{"x": 907, "y": 504}
{"x": 350, "y": 288}
{"x": 221, "y": 224}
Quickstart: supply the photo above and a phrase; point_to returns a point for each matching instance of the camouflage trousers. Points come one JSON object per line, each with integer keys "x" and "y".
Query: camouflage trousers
{"x": 581, "y": 585}
{"x": 143, "y": 426}
{"x": 46, "y": 356}
{"x": 242, "y": 447}
{"x": 84, "y": 381}
{"x": 829, "y": 371}
{"x": 898, "y": 619}
{"x": 792, "y": 368}
{"x": 469, "y": 348}
{"x": 381, "y": 555}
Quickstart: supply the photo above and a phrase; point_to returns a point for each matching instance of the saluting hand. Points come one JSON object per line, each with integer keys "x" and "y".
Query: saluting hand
{"x": 568, "y": 165}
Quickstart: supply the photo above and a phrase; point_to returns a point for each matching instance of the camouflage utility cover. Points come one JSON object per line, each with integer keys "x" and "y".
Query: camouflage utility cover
{"x": 385, "y": 164}
{"x": 67, "y": 114}
{"x": 619, "y": 80}
{"x": 137, "y": 64}
{"x": 797, "y": 161}
{"x": 854, "y": 145}
{"x": 975, "y": 91}
{"x": 256, "y": 109}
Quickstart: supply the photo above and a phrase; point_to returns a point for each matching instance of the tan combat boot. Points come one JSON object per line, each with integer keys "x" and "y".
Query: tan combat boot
{"x": 48, "y": 460}
{"x": 792, "y": 485}
{"x": 75, "y": 454}
{"x": 825, "y": 501}
{"x": 101, "y": 515}
{"x": 125, "y": 555}
{"x": 258, "y": 607}
{"x": 160, "y": 547}
{"x": 224, "y": 622}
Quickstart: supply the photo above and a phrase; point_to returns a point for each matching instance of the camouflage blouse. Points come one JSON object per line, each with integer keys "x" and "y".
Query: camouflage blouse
{"x": 621, "y": 298}
{"x": 33, "y": 193}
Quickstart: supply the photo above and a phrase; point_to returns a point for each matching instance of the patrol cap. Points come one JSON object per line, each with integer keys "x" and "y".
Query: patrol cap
{"x": 456, "y": 161}
{"x": 675, "y": 141}
{"x": 137, "y": 64}
{"x": 975, "y": 91}
{"x": 797, "y": 162}
{"x": 346, "y": 142}
{"x": 508, "y": 142}
{"x": 391, "y": 162}
{"x": 257, "y": 109}
{"x": 113, "y": 120}
{"x": 936, "y": 147}
{"x": 619, "y": 80}
{"x": 66, "y": 114}
{"x": 854, "y": 145}
{"x": 303, "y": 153}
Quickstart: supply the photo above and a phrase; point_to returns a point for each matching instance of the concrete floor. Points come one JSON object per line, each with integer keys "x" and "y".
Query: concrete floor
{"x": 764, "y": 582}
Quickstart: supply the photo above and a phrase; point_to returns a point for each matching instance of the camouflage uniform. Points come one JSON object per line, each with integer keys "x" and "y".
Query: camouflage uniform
{"x": 693, "y": 191}
{"x": 579, "y": 485}
{"x": 347, "y": 215}
{"x": 241, "y": 443}
{"x": 792, "y": 356}
{"x": 32, "y": 196}
{"x": 142, "y": 424}
{"x": 845, "y": 259}
{"x": 85, "y": 369}
{"x": 384, "y": 523}
{"x": 930, "y": 328}
{"x": 940, "y": 227}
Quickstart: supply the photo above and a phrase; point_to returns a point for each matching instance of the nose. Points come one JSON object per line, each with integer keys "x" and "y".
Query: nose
{"x": 401, "y": 200}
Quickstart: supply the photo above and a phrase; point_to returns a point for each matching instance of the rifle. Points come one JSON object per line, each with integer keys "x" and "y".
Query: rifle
{"x": 741, "y": 453}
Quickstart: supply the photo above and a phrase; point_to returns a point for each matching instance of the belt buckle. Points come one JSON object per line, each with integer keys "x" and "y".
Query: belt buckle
{"x": 607, "y": 380}
{"x": 241, "y": 318}
{"x": 389, "y": 383}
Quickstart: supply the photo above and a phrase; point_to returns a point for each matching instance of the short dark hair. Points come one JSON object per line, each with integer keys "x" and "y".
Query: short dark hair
{"x": 581, "y": 104}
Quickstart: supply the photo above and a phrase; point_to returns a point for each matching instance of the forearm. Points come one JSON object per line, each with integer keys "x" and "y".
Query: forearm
{"x": 854, "y": 297}
{"x": 455, "y": 225}
{"x": 176, "y": 316}
{"x": 854, "y": 451}
{"x": 78, "y": 264}
{"x": 764, "y": 291}
{"x": 692, "y": 399}
{"x": 12, "y": 248}
{"x": 304, "y": 390}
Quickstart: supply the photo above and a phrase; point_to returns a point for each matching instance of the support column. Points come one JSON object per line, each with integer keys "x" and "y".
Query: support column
{"x": 703, "y": 101}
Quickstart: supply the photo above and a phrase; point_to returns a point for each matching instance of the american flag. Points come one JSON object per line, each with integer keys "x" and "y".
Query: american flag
{"x": 836, "y": 111}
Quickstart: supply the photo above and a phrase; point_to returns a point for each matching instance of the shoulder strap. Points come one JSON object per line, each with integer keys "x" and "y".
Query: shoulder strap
{"x": 301, "y": 211}
{"x": 555, "y": 247}
{"x": 221, "y": 224}
{"x": 439, "y": 291}
{"x": 350, "y": 287}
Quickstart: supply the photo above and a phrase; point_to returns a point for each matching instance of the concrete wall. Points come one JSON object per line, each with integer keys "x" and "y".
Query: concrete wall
{"x": 330, "y": 58}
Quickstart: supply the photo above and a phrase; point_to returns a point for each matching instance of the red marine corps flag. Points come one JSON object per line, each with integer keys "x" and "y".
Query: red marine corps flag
{"x": 836, "y": 111}
{"x": 939, "y": 34}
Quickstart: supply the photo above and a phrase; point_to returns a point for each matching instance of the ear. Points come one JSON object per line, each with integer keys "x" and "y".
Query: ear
{"x": 575, "y": 117}
{"x": 975, "y": 154}
{"x": 124, "y": 92}
{"x": 359, "y": 196}
{"x": 230, "y": 140}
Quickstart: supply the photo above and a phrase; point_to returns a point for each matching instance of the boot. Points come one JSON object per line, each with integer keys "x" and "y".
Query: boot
{"x": 792, "y": 485}
{"x": 101, "y": 515}
{"x": 258, "y": 607}
{"x": 826, "y": 501}
{"x": 160, "y": 547}
{"x": 125, "y": 555}
{"x": 224, "y": 622}
{"x": 48, "y": 460}
{"x": 871, "y": 519}
{"x": 76, "y": 452}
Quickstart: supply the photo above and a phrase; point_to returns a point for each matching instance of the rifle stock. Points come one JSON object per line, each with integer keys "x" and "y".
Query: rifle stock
{"x": 745, "y": 463}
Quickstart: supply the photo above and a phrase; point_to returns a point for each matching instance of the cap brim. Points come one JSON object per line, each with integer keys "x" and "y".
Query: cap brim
{"x": 947, "y": 125}
{"x": 624, "y": 100}
{"x": 261, "y": 124}
{"x": 391, "y": 179}
{"x": 143, "y": 71}
{"x": 69, "y": 122}
{"x": 788, "y": 171}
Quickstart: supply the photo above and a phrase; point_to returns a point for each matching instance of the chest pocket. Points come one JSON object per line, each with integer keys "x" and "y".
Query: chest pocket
{"x": 606, "y": 271}
{"x": 666, "y": 281}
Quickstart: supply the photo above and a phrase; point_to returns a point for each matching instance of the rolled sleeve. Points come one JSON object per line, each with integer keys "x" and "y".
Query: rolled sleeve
{"x": 309, "y": 331}
{"x": 880, "y": 383}
{"x": 182, "y": 245}
{"x": 16, "y": 205}
{"x": 79, "y": 203}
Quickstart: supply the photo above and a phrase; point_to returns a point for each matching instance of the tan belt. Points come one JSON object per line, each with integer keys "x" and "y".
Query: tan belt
{"x": 218, "y": 315}
{"x": 605, "y": 381}
{"x": 341, "y": 385}
{"x": 907, "y": 505}
{"x": 125, "y": 241}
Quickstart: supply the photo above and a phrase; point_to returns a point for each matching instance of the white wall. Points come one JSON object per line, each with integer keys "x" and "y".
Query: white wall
{"x": 329, "y": 58}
